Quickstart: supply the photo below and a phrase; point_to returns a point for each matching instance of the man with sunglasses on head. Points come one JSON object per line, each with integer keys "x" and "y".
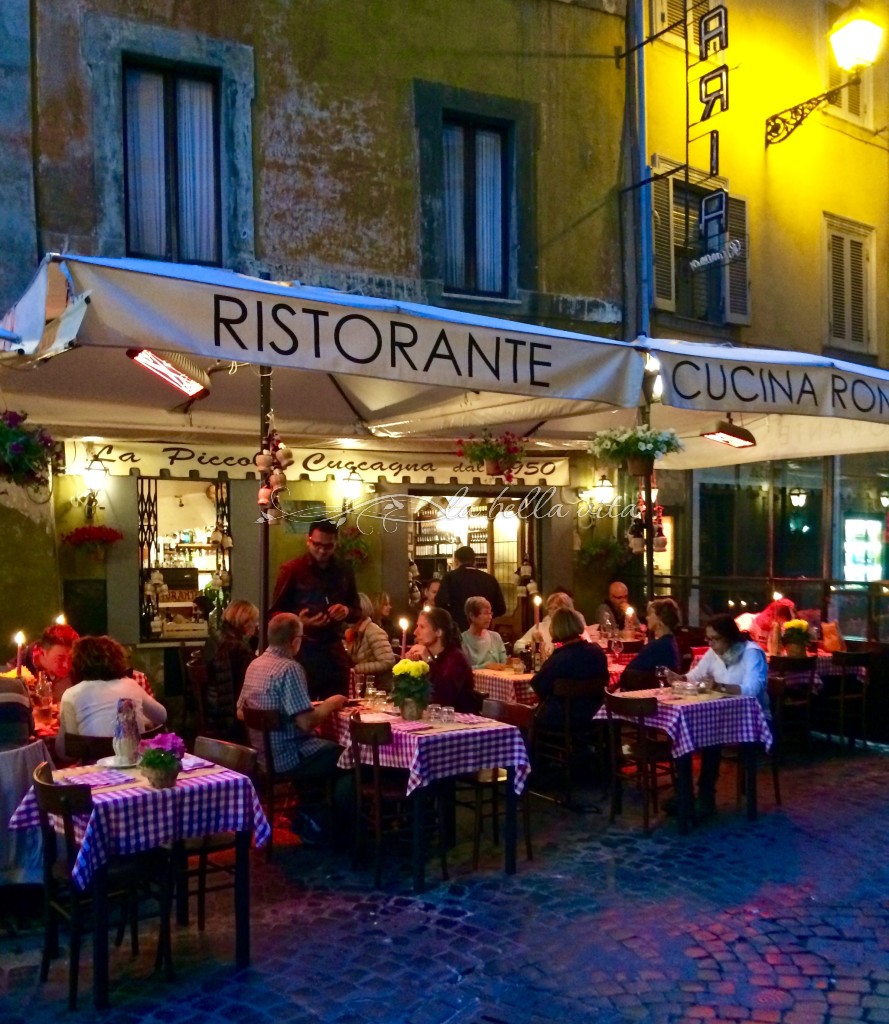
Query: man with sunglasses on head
{"x": 321, "y": 591}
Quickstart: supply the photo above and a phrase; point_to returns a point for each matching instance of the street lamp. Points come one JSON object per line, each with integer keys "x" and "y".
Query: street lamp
{"x": 855, "y": 38}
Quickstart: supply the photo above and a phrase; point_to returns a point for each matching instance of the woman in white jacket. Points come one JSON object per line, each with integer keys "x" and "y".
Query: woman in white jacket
{"x": 556, "y": 600}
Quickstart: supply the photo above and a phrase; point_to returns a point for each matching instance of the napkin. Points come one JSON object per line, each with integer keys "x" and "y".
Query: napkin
{"x": 468, "y": 719}
{"x": 414, "y": 726}
{"x": 190, "y": 762}
{"x": 99, "y": 777}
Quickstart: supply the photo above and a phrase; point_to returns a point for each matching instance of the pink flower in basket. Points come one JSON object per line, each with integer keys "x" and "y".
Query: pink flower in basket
{"x": 165, "y": 750}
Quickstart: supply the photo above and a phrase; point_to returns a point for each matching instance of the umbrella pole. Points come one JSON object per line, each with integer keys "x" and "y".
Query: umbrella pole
{"x": 265, "y": 408}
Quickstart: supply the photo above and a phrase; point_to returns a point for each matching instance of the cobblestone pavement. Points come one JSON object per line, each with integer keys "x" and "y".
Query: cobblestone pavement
{"x": 782, "y": 920}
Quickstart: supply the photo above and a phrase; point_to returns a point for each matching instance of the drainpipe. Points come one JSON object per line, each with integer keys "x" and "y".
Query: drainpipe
{"x": 644, "y": 257}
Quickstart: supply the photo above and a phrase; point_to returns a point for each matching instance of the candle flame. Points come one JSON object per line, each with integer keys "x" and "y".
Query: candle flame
{"x": 61, "y": 620}
{"x": 19, "y": 638}
{"x": 403, "y": 624}
{"x": 538, "y": 600}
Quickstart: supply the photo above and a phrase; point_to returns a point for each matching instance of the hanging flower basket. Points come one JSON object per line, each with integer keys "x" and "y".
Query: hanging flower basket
{"x": 351, "y": 545}
{"x": 499, "y": 455}
{"x": 93, "y": 540}
{"x": 637, "y": 447}
{"x": 25, "y": 452}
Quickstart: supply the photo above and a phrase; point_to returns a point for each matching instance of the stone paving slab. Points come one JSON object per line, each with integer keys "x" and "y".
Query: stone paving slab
{"x": 782, "y": 920}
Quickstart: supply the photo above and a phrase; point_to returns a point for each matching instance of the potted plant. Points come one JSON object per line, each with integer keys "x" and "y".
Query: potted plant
{"x": 161, "y": 759}
{"x": 94, "y": 540}
{"x": 499, "y": 455}
{"x": 25, "y": 452}
{"x": 410, "y": 688}
{"x": 637, "y": 447}
{"x": 351, "y": 545}
{"x": 795, "y": 636}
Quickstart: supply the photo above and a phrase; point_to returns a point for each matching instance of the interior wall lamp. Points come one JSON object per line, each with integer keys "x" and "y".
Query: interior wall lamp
{"x": 797, "y": 497}
{"x": 884, "y": 499}
{"x": 727, "y": 432}
{"x": 855, "y": 38}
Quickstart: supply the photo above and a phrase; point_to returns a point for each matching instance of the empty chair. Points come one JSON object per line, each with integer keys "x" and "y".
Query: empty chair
{"x": 637, "y": 751}
{"x": 798, "y": 675}
{"x": 843, "y": 701}
{"x": 239, "y": 759}
{"x": 122, "y": 881}
{"x": 576, "y": 738}
{"x": 381, "y": 800}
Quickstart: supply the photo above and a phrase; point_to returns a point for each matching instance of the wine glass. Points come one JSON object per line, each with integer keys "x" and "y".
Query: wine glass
{"x": 617, "y": 646}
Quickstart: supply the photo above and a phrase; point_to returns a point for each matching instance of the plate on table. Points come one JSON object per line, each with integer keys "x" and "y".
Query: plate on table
{"x": 115, "y": 762}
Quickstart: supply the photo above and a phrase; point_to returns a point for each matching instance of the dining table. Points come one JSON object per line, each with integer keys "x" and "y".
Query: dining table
{"x": 129, "y": 816}
{"x": 694, "y": 720}
{"x": 824, "y": 666}
{"x": 434, "y": 752}
{"x": 515, "y": 687}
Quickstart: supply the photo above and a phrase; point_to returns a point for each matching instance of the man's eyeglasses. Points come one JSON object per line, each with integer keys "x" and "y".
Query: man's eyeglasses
{"x": 322, "y": 546}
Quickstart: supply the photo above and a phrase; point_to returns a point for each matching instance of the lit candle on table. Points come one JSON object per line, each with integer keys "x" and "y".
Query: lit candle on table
{"x": 20, "y": 643}
{"x": 538, "y": 601}
{"x": 630, "y": 618}
{"x": 404, "y": 624}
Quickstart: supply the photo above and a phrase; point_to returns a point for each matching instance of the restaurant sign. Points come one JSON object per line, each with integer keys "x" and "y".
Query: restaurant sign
{"x": 150, "y": 458}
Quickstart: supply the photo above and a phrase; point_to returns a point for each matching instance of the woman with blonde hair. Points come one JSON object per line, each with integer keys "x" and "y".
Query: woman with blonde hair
{"x": 369, "y": 647}
{"x": 227, "y": 655}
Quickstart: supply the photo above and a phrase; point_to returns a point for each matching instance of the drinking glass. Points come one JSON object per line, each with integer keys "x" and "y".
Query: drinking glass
{"x": 617, "y": 646}
{"x": 447, "y": 713}
{"x": 370, "y": 682}
{"x": 661, "y": 675}
{"x": 434, "y": 711}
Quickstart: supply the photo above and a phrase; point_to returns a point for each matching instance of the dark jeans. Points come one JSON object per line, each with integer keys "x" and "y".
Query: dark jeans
{"x": 322, "y": 765}
{"x": 327, "y": 669}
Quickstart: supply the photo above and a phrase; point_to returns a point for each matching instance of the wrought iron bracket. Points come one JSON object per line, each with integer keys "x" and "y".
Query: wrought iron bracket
{"x": 782, "y": 125}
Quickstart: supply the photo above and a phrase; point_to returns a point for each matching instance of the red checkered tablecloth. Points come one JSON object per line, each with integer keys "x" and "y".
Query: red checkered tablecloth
{"x": 506, "y": 686}
{"x": 439, "y": 752}
{"x": 131, "y": 818}
{"x": 695, "y": 722}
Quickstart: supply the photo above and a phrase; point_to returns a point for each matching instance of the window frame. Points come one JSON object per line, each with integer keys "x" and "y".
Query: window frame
{"x": 107, "y": 41}
{"x": 171, "y": 73}
{"x": 471, "y": 125}
{"x": 849, "y": 230}
{"x": 432, "y": 103}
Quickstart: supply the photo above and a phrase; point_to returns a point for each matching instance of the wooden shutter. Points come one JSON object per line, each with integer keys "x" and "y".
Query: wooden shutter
{"x": 848, "y": 291}
{"x": 736, "y": 287}
{"x": 662, "y": 233}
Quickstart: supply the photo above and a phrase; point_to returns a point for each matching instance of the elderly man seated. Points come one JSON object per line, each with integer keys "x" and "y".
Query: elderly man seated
{"x": 276, "y": 681}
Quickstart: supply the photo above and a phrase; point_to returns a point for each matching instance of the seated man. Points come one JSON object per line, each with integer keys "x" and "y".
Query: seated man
{"x": 16, "y": 717}
{"x": 612, "y": 613}
{"x": 276, "y": 681}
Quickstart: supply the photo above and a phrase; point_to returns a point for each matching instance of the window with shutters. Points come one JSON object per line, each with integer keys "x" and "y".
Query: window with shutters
{"x": 685, "y": 281}
{"x": 854, "y": 101}
{"x": 667, "y": 13}
{"x": 171, "y": 157}
{"x": 849, "y": 285}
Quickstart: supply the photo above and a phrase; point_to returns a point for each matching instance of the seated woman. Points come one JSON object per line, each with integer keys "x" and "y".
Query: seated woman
{"x": 227, "y": 655}
{"x": 439, "y": 643}
{"x": 369, "y": 646}
{"x": 382, "y": 616}
{"x": 573, "y": 658}
{"x": 556, "y": 600}
{"x": 99, "y": 676}
{"x": 482, "y": 647}
{"x": 662, "y": 616}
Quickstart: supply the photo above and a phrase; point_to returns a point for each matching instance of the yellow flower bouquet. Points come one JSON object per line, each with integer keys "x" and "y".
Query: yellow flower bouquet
{"x": 796, "y": 631}
{"x": 410, "y": 682}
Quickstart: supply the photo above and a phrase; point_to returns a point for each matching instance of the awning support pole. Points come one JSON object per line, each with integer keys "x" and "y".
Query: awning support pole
{"x": 265, "y": 408}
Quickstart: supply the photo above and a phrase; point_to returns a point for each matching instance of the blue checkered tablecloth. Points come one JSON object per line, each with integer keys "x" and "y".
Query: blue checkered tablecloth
{"x": 695, "y": 722}
{"x": 135, "y": 817}
{"x": 437, "y": 752}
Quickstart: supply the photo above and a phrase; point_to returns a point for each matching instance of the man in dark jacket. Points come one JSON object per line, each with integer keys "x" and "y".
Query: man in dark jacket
{"x": 464, "y": 582}
{"x": 321, "y": 591}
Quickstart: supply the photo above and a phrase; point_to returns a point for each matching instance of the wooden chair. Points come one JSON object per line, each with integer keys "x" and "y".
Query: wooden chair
{"x": 796, "y": 699}
{"x": 487, "y": 784}
{"x": 122, "y": 880}
{"x": 635, "y": 752}
{"x": 566, "y": 746}
{"x": 845, "y": 691}
{"x": 632, "y": 646}
{"x": 271, "y": 779}
{"x": 632, "y": 679}
{"x": 381, "y": 801}
{"x": 239, "y": 759}
{"x": 688, "y": 637}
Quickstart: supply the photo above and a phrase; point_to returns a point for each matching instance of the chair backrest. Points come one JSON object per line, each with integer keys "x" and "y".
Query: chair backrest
{"x": 264, "y": 721}
{"x": 492, "y": 708}
{"x": 783, "y": 665}
{"x": 196, "y": 671}
{"x": 572, "y": 689}
{"x": 632, "y": 646}
{"x": 567, "y": 691}
{"x": 66, "y": 801}
{"x": 230, "y": 755}
{"x": 630, "y": 707}
{"x": 373, "y": 735}
{"x": 637, "y": 679}
{"x": 88, "y": 749}
{"x": 850, "y": 659}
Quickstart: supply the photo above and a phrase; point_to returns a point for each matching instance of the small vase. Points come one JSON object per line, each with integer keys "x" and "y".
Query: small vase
{"x": 411, "y": 710}
{"x": 494, "y": 467}
{"x": 161, "y": 778}
{"x": 795, "y": 650}
{"x": 640, "y": 465}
